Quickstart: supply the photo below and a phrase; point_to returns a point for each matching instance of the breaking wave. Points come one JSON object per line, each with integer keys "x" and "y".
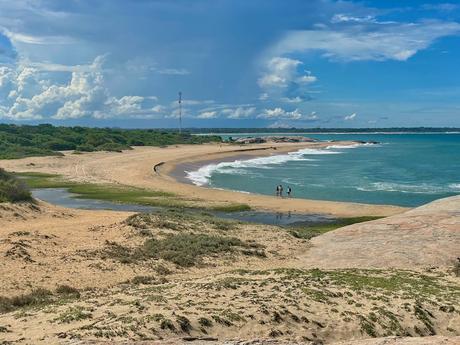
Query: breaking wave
{"x": 424, "y": 188}
{"x": 201, "y": 176}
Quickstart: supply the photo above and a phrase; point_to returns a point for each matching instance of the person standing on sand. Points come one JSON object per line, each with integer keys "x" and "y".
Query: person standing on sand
{"x": 277, "y": 190}
{"x": 289, "y": 191}
{"x": 281, "y": 190}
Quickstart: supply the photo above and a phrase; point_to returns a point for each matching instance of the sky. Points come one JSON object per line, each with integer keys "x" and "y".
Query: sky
{"x": 238, "y": 63}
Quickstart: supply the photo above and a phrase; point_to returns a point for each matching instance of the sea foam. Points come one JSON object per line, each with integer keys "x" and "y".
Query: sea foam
{"x": 201, "y": 176}
{"x": 423, "y": 188}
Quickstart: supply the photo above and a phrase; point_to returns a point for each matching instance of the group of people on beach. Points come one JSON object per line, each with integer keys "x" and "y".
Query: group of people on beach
{"x": 280, "y": 189}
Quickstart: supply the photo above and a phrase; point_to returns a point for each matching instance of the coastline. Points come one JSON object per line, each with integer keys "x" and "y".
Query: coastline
{"x": 175, "y": 171}
{"x": 135, "y": 168}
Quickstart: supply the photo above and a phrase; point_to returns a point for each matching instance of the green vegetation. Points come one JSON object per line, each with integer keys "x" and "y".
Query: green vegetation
{"x": 309, "y": 231}
{"x": 45, "y": 140}
{"x": 73, "y": 314}
{"x": 38, "y": 298}
{"x": 12, "y": 189}
{"x": 116, "y": 193}
{"x": 232, "y": 208}
{"x": 184, "y": 250}
{"x": 179, "y": 220}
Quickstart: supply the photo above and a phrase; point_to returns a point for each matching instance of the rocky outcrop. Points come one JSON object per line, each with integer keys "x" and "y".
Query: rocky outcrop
{"x": 428, "y": 236}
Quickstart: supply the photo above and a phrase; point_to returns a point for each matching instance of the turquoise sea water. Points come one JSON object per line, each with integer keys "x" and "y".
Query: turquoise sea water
{"x": 405, "y": 169}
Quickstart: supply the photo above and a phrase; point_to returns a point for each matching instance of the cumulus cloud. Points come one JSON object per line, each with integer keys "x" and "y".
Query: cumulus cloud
{"x": 31, "y": 94}
{"x": 349, "y": 117}
{"x": 238, "y": 112}
{"x": 207, "y": 115}
{"x": 280, "y": 113}
{"x": 366, "y": 39}
{"x": 282, "y": 71}
{"x": 296, "y": 99}
{"x": 284, "y": 79}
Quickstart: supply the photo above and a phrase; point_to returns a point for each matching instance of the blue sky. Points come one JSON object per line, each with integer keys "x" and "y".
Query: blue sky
{"x": 238, "y": 63}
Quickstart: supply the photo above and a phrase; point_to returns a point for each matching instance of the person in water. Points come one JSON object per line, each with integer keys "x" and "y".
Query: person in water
{"x": 277, "y": 190}
{"x": 281, "y": 190}
{"x": 289, "y": 191}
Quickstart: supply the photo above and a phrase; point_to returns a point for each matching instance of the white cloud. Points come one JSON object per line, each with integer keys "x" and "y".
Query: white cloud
{"x": 350, "y": 117}
{"x": 340, "y": 18}
{"x": 32, "y": 94}
{"x": 280, "y": 113}
{"x": 263, "y": 96}
{"x": 238, "y": 112}
{"x": 296, "y": 99}
{"x": 207, "y": 115}
{"x": 282, "y": 71}
{"x": 17, "y": 37}
{"x": 283, "y": 79}
{"x": 360, "y": 41}
{"x": 173, "y": 71}
{"x": 312, "y": 116}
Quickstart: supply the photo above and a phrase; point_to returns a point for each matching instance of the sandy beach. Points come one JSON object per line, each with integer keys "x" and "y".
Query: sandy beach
{"x": 136, "y": 168}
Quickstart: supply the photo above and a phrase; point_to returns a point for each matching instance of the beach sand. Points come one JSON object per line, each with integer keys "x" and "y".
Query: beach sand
{"x": 391, "y": 276}
{"x": 287, "y": 293}
{"x": 136, "y": 168}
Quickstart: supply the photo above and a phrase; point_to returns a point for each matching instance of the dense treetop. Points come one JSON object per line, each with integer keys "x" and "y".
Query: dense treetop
{"x": 43, "y": 140}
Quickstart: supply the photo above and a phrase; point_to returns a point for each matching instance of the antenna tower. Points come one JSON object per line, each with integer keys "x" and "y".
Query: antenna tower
{"x": 180, "y": 112}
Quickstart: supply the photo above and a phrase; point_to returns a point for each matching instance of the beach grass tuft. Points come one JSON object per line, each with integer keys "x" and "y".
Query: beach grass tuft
{"x": 182, "y": 249}
{"x": 309, "y": 231}
{"x": 232, "y": 208}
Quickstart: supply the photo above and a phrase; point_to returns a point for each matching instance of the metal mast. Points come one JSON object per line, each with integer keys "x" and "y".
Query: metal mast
{"x": 180, "y": 112}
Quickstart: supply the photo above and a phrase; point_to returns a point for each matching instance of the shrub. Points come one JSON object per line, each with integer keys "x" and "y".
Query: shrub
{"x": 185, "y": 249}
{"x": 35, "y": 298}
{"x": 25, "y": 141}
{"x": 12, "y": 189}
{"x": 68, "y": 290}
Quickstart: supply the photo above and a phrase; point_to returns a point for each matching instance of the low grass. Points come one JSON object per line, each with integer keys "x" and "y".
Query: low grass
{"x": 232, "y": 208}
{"x": 385, "y": 281}
{"x": 73, "y": 314}
{"x": 179, "y": 220}
{"x": 117, "y": 193}
{"x": 38, "y": 298}
{"x": 310, "y": 231}
{"x": 182, "y": 249}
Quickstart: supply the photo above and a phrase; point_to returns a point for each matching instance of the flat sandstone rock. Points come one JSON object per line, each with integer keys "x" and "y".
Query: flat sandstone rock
{"x": 428, "y": 236}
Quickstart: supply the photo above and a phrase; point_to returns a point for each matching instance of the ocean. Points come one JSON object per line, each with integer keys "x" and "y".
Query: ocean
{"x": 404, "y": 169}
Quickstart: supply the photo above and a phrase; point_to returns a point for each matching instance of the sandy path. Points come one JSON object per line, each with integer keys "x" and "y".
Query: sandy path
{"x": 135, "y": 168}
